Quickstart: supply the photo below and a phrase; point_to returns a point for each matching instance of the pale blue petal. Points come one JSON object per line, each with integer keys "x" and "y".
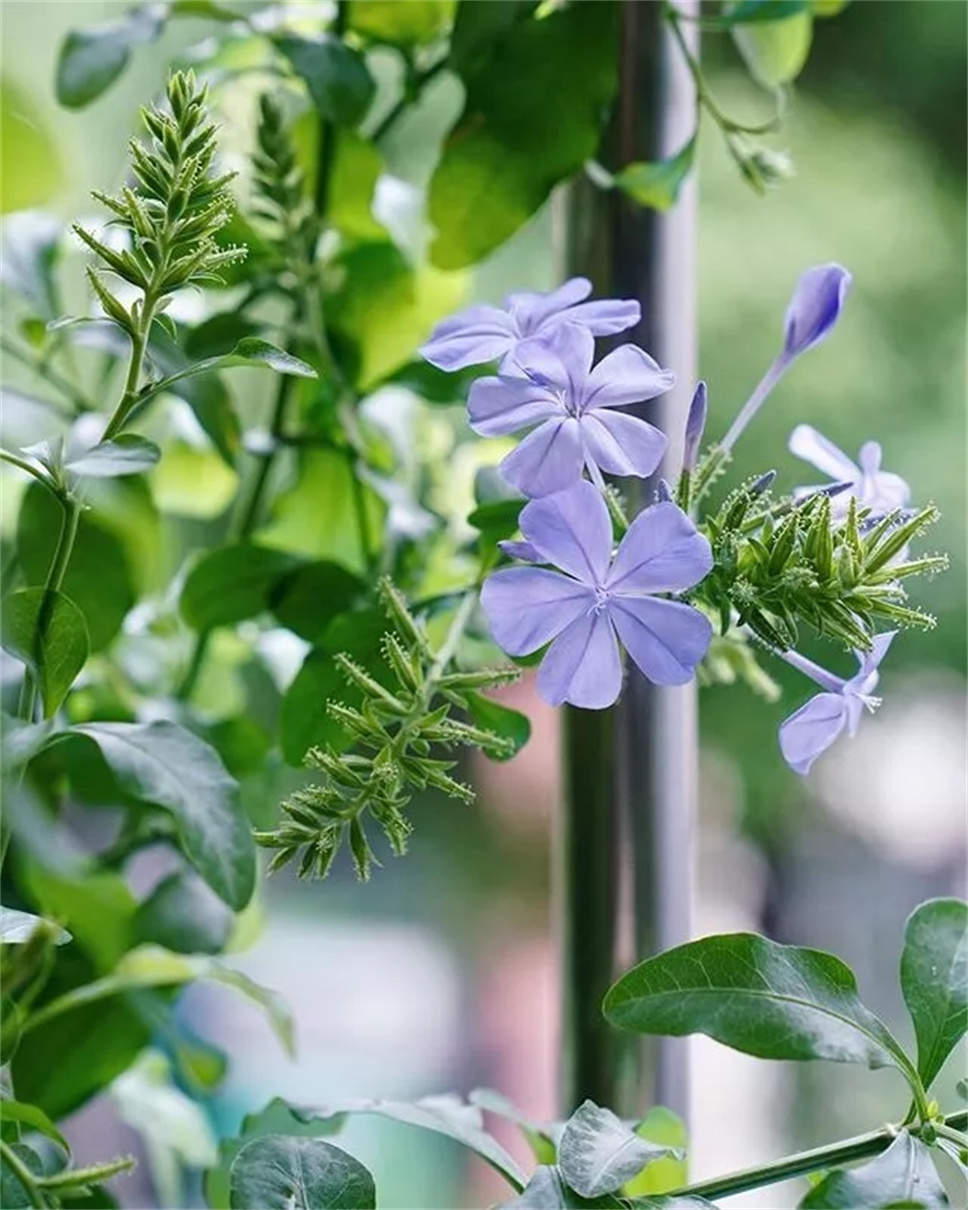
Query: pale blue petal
{"x": 666, "y": 639}
{"x": 583, "y": 665}
{"x": 572, "y": 530}
{"x": 869, "y": 662}
{"x": 547, "y": 460}
{"x": 815, "y": 307}
{"x": 521, "y": 550}
{"x": 806, "y": 443}
{"x": 473, "y": 336}
{"x": 531, "y": 310}
{"x": 560, "y": 361}
{"x": 811, "y": 730}
{"x": 621, "y": 444}
{"x": 604, "y": 317}
{"x": 496, "y": 406}
{"x": 820, "y": 676}
{"x": 526, "y": 607}
{"x": 628, "y": 375}
{"x": 662, "y": 552}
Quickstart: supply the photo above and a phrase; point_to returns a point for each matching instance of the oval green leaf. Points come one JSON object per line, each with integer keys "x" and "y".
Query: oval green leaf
{"x": 775, "y": 51}
{"x": 281, "y": 1173}
{"x": 657, "y": 185}
{"x": 90, "y": 60}
{"x": 16, "y": 927}
{"x": 183, "y": 914}
{"x": 502, "y": 720}
{"x": 764, "y": 999}
{"x": 164, "y": 764}
{"x": 598, "y": 1153}
{"x": 934, "y": 980}
{"x": 126, "y": 454}
{"x": 232, "y": 583}
{"x": 336, "y": 76}
{"x": 47, "y": 631}
{"x": 903, "y": 1175}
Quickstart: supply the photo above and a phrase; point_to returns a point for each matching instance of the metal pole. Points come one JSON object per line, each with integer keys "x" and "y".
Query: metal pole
{"x": 627, "y": 849}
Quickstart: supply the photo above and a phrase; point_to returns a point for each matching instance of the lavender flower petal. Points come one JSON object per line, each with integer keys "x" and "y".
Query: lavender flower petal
{"x": 524, "y": 551}
{"x": 497, "y": 406}
{"x": 532, "y": 310}
{"x": 666, "y": 639}
{"x": 547, "y": 460}
{"x": 526, "y": 607}
{"x": 662, "y": 552}
{"x": 573, "y": 530}
{"x": 559, "y": 361}
{"x": 627, "y": 375}
{"x": 815, "y": 307}
{"x": 473, "y": 336}
{"x": 812, "y": 729}
{"x": 865, "y": 679}
{"x": 813, "y": 447}
{"x": 607, "y": 316}
{"x": 621, "y": 444}
{"x": 583, "y": 665}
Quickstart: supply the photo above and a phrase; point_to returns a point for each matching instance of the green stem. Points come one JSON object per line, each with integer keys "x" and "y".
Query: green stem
{"x": 420, "y": 80}
{"x": 35, "y": 1197}
{"x": 861, "y": 1147}
{"x": 139, "y": 345}
{"x": 448, "y": 649}
{"x": 958, "y": 1137}
{"x": 91, "y": 1175}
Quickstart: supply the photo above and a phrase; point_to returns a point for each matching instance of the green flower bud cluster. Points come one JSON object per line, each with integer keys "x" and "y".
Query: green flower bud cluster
{"x": 282, "y": 198}
{"x": 400, "y": 730}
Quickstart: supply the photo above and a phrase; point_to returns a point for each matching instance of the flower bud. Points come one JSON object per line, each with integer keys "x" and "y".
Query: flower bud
{"x": 695, "y": 426}
{"x": 815, "y": 307}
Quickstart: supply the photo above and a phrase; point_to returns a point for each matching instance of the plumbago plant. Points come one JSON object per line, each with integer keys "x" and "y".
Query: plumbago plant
{"x": 199, "y": 586}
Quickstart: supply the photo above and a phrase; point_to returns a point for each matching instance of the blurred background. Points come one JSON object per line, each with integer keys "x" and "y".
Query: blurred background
{"x": 440, "y": 974}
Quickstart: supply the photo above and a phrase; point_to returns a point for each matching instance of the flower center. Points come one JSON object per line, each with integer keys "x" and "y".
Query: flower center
{"x": 601, "y": 599}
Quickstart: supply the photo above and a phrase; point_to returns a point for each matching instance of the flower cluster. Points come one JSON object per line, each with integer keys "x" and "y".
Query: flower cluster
{"x": 588, "y": 584}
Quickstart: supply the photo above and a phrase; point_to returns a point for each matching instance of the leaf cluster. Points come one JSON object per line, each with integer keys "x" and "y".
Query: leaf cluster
{"x": 399, "y": 729}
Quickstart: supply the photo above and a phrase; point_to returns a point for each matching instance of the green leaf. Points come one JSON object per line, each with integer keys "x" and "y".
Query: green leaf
{"x": 164, "y": 764}
{"x": 934, "y": 980}
{"x": 232, "y": 583}
{"x": 280, "y": 1173}
{"x": 447, "y": 1115}
{"x": 547, "y": 1190}
{"x": 48, "y": 632}
{"x": 598, "y": 1153}
{"x": 497, "y": 519}
{"x": 32, "y": 166}
{"x": 193, "y": 482}
{"x": 512, "y": 145}
{"x": 32, "y": 1118}
{"x": 661, "y": 1125}
{"x": 183, "y": 914}
{"x": 13, "y": 1195}
{"x": 126, "y": 454}
{"x": 336, "y": 76}
{"x": 657, "y": 185}
{"x": 250, "y": 351}
{"x": 478, "y": 26}
{"x": 399, "y": 24}
{"x": 828, "y": 8}
{"x": 205, "y": 394}
{"x": 904, "y": 1174}
{"x": 502, "y": 720}
{"x": 99, "y": 577}
{"x": 98, "y": 908}
{"x": 90, "y": 60}
{"x": 16, "y": 927}
{"x": 752, "y": 11}
{"x": 764, "y": 999}
{"x": 775, "y": 51}
{"x": 538, "y": 1137}
{"x": 307, "y": 599}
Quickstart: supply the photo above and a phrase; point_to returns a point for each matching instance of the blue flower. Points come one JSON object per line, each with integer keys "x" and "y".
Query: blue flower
{"x": 485, "y": 333}
{"x": 595, "y": 599}
{"x": 815, "y": 726}
{"x": 880, "y": 491}
{"x": 572, "y": 405}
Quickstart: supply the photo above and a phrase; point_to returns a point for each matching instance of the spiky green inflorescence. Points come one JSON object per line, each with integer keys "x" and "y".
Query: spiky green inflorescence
{"x": 778, "y": 565}
{"x": 282, "y": 198}
{"x": 173, "y": 212}
{"x": 399, "y": 730}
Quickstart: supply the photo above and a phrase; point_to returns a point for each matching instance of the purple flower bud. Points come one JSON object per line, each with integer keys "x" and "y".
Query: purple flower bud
{"x": 815, "y": 307}
{"x": 763, "y": 483}
{"x": 695, "y": 427}
{"x": 663, "y": 492}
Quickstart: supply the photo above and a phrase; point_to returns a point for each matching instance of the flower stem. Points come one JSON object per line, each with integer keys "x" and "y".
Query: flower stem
{"x": 860, "y": 1147}
{"x": 749, "y": 409}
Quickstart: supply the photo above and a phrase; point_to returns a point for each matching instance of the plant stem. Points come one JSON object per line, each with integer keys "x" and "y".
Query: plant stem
{"x": 419, "y": 82}
{"x": 139, "y": 344}
{"x": 860, "y": 1147}
{"x": 449, "y": 646}
{"x": 23, "y": 1174}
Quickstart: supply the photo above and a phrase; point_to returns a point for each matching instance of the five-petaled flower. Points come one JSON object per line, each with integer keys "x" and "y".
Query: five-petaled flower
{"x": 880, "y": 491}
{"x": 485, "y": 333}
{"x": 580, "y": 609}
{"x": 815, "y": 726}
{"x": 572, "y": 405}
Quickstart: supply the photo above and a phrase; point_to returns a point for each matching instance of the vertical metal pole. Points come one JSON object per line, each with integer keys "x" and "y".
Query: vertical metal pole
{"x": 628, "y": 835}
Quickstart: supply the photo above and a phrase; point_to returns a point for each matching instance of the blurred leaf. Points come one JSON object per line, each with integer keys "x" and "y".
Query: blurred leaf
{"x": 306, "y": 599}
{"x": 32, "y": 1118}
{"x": 242, "y": 743}
{"x": 171, "y": 1122}
{"x": 401, "y": 24}
{"x": 433, "y": 385}
{"x": 751, "y": 11}
{"x": 538, "y": 1137}
{"x": 279, "y": 1173}
{"x": 16, "y": 927}
{"x": 26, "y": 419}
{"x": 547, "y": 1190}
{"x": 126, "y": 454}
{"x": 98, "y": 578}
{"x": 934, "y": 980}
{"x": 661, "y": 1125}
{"x": 827, "y": 8}
{"x": 598, "y": 1153}
{"x": 209, "y": 10}
{"x": 31, "y": 165}
{"x": 478, "y": 26}
{"x": 205, "y": 393}
{"x": 657, "y": 185}
{"x": 90, "y": 60}
{"x": 502, "y": 720}
{"x": 184, "y": 915}
{"x": 764, "y": 999}
{"x": 48, "y": 632}
{"x": 355, "y": 173}
{"x": 163, "y": 764}
{"x": 191, "y": 482}
{"x": 13, "y": 1194}
{"x": 97, "y": 907}
{"x": 775, "y": 51}
{"x": 217, "y": 335}
{"x": 335, "y": 74}
{"x": 31, "y": 250}
{"x": 250, "y": 351}
{"x": 904, "y": 1174}
{"x": 447, "y": 1115}
{"x": 512, "y": 144}
{"x": 232, "y": 583}
{"x": 498, "y": 519}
